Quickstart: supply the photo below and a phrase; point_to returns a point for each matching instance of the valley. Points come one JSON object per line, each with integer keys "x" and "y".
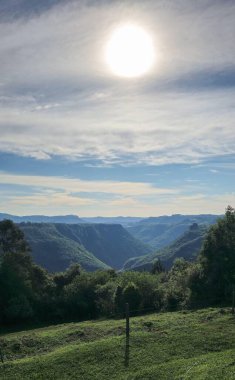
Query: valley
{"x": 57, "y": 242}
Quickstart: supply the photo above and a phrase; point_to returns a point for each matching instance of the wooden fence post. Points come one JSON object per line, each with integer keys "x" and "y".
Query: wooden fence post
{"x": 127, "y": 350}
{"x": 233, "y": 300}
{"x": 127, "y": 321}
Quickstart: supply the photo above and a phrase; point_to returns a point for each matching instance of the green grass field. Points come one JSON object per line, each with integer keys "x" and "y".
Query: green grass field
{"x": 181, "y": 345}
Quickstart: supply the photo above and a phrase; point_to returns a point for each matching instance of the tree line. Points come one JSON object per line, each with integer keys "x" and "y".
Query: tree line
{"x": 28, "y": 293}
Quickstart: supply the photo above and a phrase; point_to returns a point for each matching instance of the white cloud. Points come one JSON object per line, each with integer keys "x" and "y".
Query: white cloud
{"x": 53, "y": 200}
{"x": 63, "y": 203}
{"x": 214, "y": 171}
{"x": 58, "y": 195}
{"x": 58, "y": 97}
{"x": 72, "y": 185}
{"x": 173, "y": 128}
{"x": 194, "y": 204}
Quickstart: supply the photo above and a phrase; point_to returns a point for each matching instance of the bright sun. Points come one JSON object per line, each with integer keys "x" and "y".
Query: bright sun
{"x": 129, "y": 51}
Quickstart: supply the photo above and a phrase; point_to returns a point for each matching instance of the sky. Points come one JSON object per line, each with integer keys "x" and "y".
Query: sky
{"x": 77, "y": 139}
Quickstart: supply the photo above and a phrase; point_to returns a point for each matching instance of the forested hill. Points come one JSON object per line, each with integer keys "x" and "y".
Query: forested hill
{"x": 54, "y": 251}
{"x": 161, "y": 231}
{"x": 94, "y": 246}
{"x": 187, "y": 246}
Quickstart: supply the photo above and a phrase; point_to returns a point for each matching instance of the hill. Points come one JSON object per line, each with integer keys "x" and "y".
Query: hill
{"x": 54, "y": 251}
{"x": 94, "y": 246}
{"x": 123, "y": 220}
{"x": 166, "y": 346}
{"x": 71, "y": 219}
{"x": 187, "y": 246}
{"x": 163, "y": 230}
{"x": 42, "y": 218}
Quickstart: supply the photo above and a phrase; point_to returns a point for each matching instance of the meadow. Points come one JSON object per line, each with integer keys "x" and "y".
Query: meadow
{"x": 174, "y": 345}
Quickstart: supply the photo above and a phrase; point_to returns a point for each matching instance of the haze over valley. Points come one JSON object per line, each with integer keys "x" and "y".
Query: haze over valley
{"x": 120, "y": 243}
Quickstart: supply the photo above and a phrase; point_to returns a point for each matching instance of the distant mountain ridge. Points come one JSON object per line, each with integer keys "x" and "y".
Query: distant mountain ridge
{"x": 178, "y": 218}
{"x": 126, "y": 221}
{"x": 94, "y": 246}
{"x": 123, "y": 220}
{"x": 70, "y": 219}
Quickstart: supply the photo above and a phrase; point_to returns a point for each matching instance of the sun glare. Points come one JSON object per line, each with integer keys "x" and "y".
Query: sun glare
{"x": 130, "y": 52}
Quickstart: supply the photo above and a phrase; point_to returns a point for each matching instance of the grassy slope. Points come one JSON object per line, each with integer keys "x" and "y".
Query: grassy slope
{"x": 56, "y": 252}
{"x": 183, "y": 345}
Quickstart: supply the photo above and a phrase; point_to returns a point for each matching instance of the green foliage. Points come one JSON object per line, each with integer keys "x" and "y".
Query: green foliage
{"x": 55, "y": 251}
{"x": 157, "y": 267}
{"x": 79, "y": 297}
{"x": 64, "y": 278}
{"x": 217, "y": 259}
{"x": 25, "y": 287}
{"x": 18, "y": 309}
{"x": 110, "y": 243}
{"x": 177, "y": 294}
{"x": 131, "y": 295}
{"x": 11, "y": 238}
{"x": 105, "y": 298}
{"x": 29, "y": 292}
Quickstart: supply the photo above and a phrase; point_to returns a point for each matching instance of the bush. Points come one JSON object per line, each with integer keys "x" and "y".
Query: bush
{"x": 18, "y": 309}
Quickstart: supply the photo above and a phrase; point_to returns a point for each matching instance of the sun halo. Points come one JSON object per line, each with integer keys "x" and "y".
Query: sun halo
{"x": 129, "y": 51}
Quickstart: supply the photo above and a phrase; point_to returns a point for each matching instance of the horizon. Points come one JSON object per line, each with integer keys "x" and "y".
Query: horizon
{"x": 105, "y": 216}
{"x": 86, "y": 134}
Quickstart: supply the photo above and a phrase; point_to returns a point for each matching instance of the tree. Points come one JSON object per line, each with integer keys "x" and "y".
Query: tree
{"x": 15, "y": 273}
{"x": 12, "y": 238}
{"x": 157, "y": 267}
{"x": 105, "y": 298}
{"x": 80, "y": 297}
{"x": 217, "y": 258}
{"x": 65, "y": 278}
{"x": 177, "y": 292}
{"x": 18, "y": 309}
{"x": 131, "y": 295}
{"x": 118, "y": 299}
{"x": 25, "y": 287}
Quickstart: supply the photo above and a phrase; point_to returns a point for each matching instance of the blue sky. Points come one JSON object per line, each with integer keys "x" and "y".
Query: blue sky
{"x": 76, "y": 139}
